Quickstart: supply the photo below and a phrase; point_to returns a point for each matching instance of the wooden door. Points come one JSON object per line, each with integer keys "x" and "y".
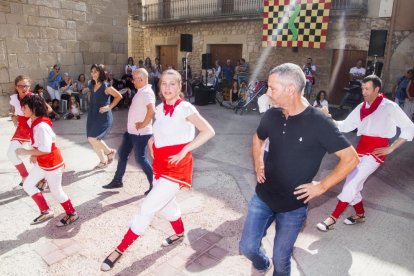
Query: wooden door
{"x": 168, "y": 56}
{"x": 342, "y": 62}
{"x": 223, "y": 52}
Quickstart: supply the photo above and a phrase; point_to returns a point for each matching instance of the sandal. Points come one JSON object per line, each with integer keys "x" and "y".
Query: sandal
{"x": 44, "y": 216}
{"x": 108, "y": 264}
{"x": 327, "y": 224}
{"x": 101, "y": 165}
{"x": 172, "y": 239}
{"x": 354, "y": 219}
{"x": 68, "y": 219}
{"x": 111, "y": 156}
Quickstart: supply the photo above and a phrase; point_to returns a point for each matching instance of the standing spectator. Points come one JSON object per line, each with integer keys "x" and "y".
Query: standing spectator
{"x": 100, "y": 119}
{"x": 217, "y": 74}
{"x": 299, "y": 137}
{"x": 130, "y": 65}
{"x": 357, "y": 73}
{"x": 140, "y": 64}
{"x": 309, "y": 69}
{"x": 139, "y": 130}
{"x": 243, "y": 72}
{"x": 409, "y": 101}
{"x": 157, "y": 74}
{"x": 376, "y": 120}
{"x": 21, "y": 136}
{"x": 172, "y": 144}
{"x": 53, "y": 81}
{"x": 228, "y": 73}
{"x": 400, "y": 88}
{"x": 48, "y": 162}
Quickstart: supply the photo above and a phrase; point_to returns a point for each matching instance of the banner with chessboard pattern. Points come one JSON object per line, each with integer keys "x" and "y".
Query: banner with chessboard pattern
{"x": 295, "y": 23}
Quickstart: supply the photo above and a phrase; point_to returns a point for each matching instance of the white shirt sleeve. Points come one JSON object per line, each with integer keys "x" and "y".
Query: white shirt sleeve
{"x": 404, "y": 123}
{"x": 43, "y": 137}
{"x": 351, "y": 122}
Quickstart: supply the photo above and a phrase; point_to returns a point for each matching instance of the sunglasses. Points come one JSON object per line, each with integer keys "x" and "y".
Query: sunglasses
{"x": 22, "y": 86}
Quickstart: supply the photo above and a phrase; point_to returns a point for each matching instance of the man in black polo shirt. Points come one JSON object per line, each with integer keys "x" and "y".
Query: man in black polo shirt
{"x": 299, "y": 135}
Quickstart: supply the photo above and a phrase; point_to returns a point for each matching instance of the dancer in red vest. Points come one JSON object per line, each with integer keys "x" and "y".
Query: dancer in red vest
{"x": 48, "y": 162}
{"x": 376, "y": 119}
{"x": 21, "y": 137}
{"x": 172, "y": 143}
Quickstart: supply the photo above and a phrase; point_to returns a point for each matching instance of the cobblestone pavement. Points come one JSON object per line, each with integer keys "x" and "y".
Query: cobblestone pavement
{"x": 213, "y": 213}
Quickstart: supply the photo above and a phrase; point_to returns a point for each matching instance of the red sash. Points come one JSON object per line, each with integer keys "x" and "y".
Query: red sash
{"x": 180, "y": 173}
{"x": 364, "y": 112}
{"x": 367, "y": 144}
{"x": 22, "y": 133}
{"x": 50, "y": 161}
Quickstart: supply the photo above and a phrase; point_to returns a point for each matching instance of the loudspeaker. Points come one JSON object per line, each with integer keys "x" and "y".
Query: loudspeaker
{"x": 377, "y": 43}
{"x": 186, "y": 43}
{"x": 206, "y": 61}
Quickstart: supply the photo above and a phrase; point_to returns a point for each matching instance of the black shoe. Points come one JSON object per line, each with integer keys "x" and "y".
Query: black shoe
{"x": 21, "y": 184}
{"x": 149, "y": 190}
{"x": 114, "y": 184}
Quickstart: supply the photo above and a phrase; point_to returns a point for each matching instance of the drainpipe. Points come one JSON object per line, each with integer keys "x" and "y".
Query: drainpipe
{"x": 389, "y": 50}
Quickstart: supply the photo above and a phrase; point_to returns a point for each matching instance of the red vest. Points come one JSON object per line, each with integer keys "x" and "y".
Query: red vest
{"x": 50, "y": 161}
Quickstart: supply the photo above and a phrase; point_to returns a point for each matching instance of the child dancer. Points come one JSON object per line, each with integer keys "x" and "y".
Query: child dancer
{"x": 21, "y": 136}
{"x": 48, "y": 162}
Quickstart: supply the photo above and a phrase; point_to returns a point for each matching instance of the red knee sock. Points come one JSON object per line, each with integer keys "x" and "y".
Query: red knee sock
{"x": 359, "y": 208}
{"x": 340, "y": 208}
{"x": 67, "y": 205}
{"x": 40, "y": 201}
{"x": 178, "y": 226}
{"x": 21, "y": 168}
{"x": 128, "y": 239}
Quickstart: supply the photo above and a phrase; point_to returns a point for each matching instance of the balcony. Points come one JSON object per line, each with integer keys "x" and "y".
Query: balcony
{"x": 193, "y": 11}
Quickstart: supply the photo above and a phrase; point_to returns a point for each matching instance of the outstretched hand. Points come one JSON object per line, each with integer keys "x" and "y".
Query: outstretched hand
{"x": 309, "y": 191}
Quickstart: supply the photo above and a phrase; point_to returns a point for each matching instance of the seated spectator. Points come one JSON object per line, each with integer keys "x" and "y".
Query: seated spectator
{"x": 65, "y": 87}
{"x": 211, "y": 80}
{"x": 38, "y": 89}
{"x": 54, "y": 114}
{"x": 320, "y": 100}
{"x": 74, "y": 109}
{"x": 81, "y": 86}
{"x": 53, "y": 80}
{"x": 130, "y": 65}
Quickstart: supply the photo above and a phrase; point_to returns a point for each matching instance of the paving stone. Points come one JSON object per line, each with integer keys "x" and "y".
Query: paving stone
{"x": 72, "y": 249}
{"x": 205, "y": 260}
{"x": 62, "y": 243}
{"x": 45, "y": 248}
{"x": 200, "y": 245}
{"x": 166, "y": 269}
{"x": 54, "y": 257}
{"x": 212, "y": 237}
{"x": 217, "y": 252}
{"x": 177, "y": 262}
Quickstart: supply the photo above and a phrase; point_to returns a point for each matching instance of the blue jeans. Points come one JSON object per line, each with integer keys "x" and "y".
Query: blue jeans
{"x": 139, "y": 143}
{"x": 288, "y": 225}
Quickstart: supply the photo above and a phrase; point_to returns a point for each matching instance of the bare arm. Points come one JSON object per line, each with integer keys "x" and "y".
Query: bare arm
{"x": 206, "y": 132}
{"x": 348, "y": 160}
{"x": 258, "y": 151}
{"x": 148, "y": 117}
{"x": 117, "y": 97}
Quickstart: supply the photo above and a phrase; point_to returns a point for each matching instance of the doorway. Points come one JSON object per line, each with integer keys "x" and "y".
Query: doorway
{"x": 168, "y": 56}
{"x": 345, "y": 60}
{"x": 223, "y": 52}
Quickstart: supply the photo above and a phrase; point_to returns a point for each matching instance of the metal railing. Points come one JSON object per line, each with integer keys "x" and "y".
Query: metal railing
{"x": 197, "y": 10}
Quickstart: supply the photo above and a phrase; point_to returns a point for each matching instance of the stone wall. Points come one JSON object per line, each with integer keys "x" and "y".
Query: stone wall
{"x": 36, "y": 34}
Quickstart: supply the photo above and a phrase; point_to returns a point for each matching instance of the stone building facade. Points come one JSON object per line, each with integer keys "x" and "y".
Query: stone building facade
{"x": 348, "y": 33}
{"x": 36, "y": 34}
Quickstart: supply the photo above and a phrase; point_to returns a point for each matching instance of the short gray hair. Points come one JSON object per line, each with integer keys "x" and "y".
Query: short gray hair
{"x": 141, "y": 72}
{"x": 290, "y": 73}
